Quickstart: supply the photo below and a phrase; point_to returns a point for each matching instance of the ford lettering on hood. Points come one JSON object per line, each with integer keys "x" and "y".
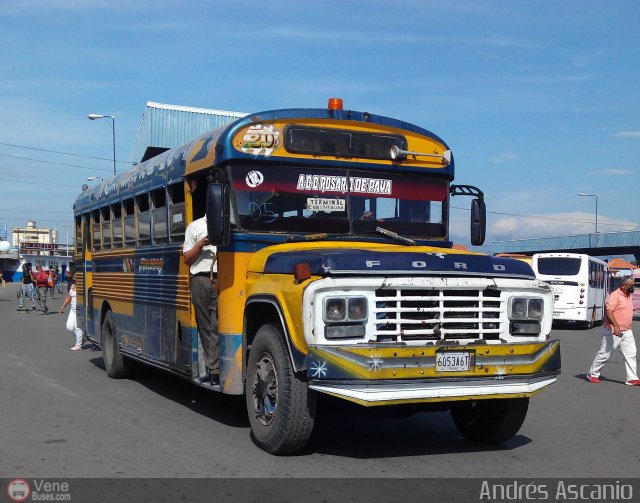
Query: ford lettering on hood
{"x": 350, "y": 261}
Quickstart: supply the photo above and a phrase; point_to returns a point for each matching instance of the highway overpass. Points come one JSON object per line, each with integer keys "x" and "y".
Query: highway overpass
{"x": 600, "y": 244}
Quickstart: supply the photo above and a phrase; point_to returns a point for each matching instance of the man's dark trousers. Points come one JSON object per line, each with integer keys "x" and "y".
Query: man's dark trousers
{"x": 204, "y": 296}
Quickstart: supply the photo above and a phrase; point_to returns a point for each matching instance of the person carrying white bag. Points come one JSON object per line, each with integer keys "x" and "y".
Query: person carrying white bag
{"x": 72, "y": 325}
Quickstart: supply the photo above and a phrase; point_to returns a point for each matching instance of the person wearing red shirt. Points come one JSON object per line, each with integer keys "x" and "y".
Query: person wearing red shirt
{"x": 617, "y": 334}
{"x": 42, "y": 282}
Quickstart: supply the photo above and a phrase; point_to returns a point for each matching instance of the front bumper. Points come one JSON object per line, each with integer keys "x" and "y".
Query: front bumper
{"x": 381, "y": 374}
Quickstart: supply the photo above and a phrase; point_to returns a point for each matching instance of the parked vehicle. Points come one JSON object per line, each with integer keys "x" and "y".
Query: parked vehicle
{"x": 580, "y": 284}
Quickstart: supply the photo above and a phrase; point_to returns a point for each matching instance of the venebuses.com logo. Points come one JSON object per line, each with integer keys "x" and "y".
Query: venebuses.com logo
{"x": 38, "y": 490}
{"x": 18, "y": 490}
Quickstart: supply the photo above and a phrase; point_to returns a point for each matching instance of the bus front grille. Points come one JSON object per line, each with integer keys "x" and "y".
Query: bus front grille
{"x": 418, "y": 314}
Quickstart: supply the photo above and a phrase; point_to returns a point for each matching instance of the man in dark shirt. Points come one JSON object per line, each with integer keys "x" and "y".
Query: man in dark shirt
{"x": 27, "y": 287}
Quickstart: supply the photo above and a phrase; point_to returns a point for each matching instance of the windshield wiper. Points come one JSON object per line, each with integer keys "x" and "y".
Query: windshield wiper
{"x": 308, "y": 237}
{"x": 395, "y": 235}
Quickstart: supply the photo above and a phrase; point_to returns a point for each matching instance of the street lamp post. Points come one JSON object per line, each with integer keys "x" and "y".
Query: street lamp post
{"x": 92, "y": 178}
{"x": 66, "y": 248}
{"x": 113, "y": 130}
{"x": 596, "y": 197}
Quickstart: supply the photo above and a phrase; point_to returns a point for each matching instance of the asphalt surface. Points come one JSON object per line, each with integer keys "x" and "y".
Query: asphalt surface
{"x": 61, "y": 416}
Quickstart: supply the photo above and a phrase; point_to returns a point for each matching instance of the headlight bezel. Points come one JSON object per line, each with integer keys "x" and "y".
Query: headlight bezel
{"x": 524, "y": 308}
{"x": 347, "y": 301}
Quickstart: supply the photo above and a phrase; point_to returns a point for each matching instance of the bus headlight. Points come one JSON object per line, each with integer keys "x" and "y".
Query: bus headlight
{"x": 525, "y": 308}
{"x": 535, "y": 308}
{"x": 518, "y": 308}
{"x": 335, "y": 309}
{"x": 345, "y": 317}
{"x": 357, "y": 309}
{"x": 525, "y": 314}
{"x": 345, "y": 309}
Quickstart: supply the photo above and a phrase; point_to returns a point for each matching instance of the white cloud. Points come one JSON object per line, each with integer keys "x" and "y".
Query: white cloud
{"x": 627, "y": 134}
{"x": 612, "y": 172}
{"x": 506, "y": 156}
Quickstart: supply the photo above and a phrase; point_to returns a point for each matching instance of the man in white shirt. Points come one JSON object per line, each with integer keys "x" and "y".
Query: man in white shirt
{"x": 201, "y": 258}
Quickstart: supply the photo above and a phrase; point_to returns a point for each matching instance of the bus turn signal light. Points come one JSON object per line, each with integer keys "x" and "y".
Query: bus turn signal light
{"x": 302, "y": 271}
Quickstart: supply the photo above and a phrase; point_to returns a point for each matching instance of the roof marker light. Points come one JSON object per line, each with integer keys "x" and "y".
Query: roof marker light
{"x": 335, "y": 104}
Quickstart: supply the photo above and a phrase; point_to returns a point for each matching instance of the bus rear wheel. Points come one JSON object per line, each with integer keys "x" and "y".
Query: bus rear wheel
{"x": 281, "y": 409}
{"x": 116, "y": 365}
{"x": 490, "y": 421}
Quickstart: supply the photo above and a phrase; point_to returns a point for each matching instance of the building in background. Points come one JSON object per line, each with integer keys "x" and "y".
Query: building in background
{"x": 37, "y": 246}
{"x": 166, "y": 126}
{"x": 32, "y": 238}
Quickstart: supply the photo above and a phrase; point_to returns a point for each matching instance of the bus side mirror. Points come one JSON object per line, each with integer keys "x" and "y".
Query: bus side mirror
{"x": 478, "y": 221}
{"x": 218, "y": 214}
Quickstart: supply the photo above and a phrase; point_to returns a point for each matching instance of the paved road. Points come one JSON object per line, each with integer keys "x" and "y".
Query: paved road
{"x": 61, "y": 416}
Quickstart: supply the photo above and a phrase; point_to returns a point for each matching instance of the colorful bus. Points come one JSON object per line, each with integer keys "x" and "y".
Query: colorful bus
{"x": 580, "y": 284}
{"x": 635, "y": 296}
{"x": 336, "y": 275}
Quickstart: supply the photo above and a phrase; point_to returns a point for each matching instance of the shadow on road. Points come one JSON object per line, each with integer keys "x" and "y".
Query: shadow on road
{"x": 583, "y": 377}
{"x": 341, "y": 429}
{"x": 229, "y": 410}
{"x": 349, "y": 430}
{"x": 577, "y": 326}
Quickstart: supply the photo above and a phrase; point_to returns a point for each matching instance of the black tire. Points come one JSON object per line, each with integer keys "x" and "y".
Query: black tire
{"x": 490, "y": 421}
{"x": 116, "y": 365}
{"x": 281, "y": 408}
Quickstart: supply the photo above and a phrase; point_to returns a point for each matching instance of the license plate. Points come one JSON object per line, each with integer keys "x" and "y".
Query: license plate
{"x": 454, "y": 361}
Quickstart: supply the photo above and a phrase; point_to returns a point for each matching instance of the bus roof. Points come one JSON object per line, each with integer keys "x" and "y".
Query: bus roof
{"x": 216, "y": 147}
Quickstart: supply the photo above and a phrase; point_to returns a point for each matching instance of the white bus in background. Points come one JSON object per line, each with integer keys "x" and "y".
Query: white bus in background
{"x": 580, "y": 284}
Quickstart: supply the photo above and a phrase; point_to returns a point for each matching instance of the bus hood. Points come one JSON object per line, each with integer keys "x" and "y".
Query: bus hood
{"x": 388, "y": 260}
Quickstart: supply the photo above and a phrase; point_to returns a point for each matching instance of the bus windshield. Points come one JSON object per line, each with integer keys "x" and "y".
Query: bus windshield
{"x": 309, "y": 199}
{"x": 559, "y": 266}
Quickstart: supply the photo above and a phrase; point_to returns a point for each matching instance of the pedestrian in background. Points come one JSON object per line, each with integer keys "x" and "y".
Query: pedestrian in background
{"x": 58, "y": 281}
{"x": 42, "y": 283}
{"x": 67, "y": 279}
{"x": 617, "y": 334}
{"x": 72, "y": 322}
{"x": 53, "y": 279}
{"x": 27, "y": 286}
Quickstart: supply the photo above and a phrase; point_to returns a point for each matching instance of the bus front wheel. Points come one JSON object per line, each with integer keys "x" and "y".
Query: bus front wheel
{"x": 490, "y": 421}
{"x": 281, "y": 408}
{"x": 116, "y": 365}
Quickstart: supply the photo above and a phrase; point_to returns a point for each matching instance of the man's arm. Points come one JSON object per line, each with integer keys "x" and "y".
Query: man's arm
{"x": 615, "y": 328}
{"x": 191, "y": 255}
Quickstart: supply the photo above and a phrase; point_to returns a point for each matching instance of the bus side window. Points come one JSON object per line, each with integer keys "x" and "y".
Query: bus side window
{"x": 116, "y": 224}
{"x": 95, "y": 226}
{"x": 129, "y": 223}
{"x": 105, "y": 214}
{"x": 86, "y": 233}
{"x": 144, "y": 219}
{"x": 177, "y": 215}
{"x": 78, "y": 238}
{"x": 159, "y": 226}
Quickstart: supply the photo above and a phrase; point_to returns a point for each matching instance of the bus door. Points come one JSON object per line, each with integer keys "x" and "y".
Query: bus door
{"x": 86, "y": 258}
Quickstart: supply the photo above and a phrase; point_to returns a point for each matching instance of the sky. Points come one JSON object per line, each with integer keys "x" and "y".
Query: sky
{"x": 538, "y": 100}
